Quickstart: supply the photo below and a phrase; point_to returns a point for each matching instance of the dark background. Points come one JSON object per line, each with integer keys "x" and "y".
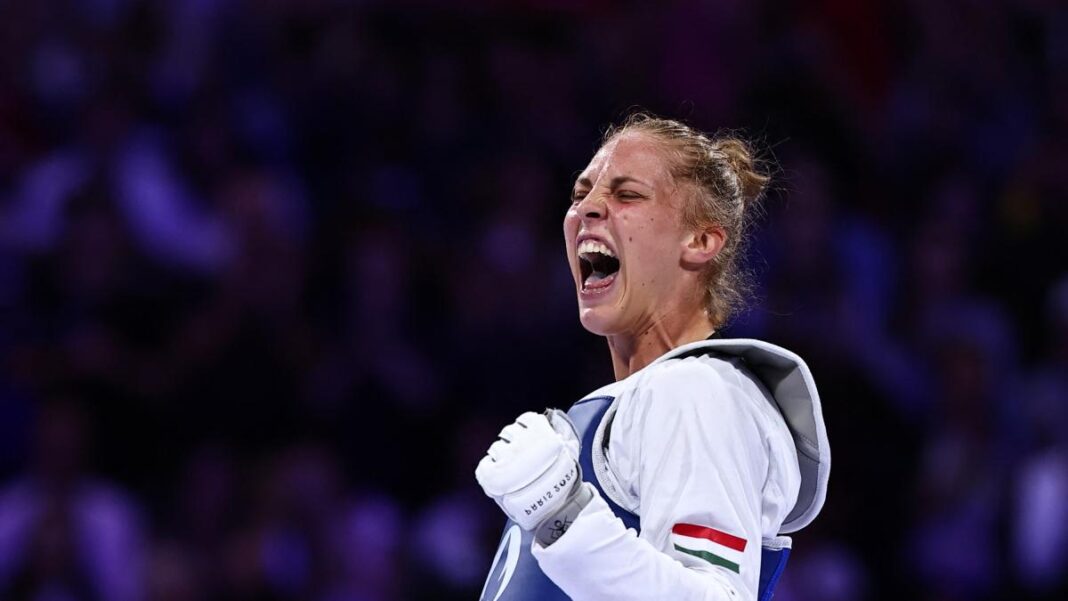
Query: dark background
{"x": 273, "y": 273}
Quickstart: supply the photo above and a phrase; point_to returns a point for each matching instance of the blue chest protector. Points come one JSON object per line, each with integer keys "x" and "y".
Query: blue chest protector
{"x": 515, "y": 574}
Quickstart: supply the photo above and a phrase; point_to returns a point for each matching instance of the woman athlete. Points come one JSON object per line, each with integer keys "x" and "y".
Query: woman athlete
{"x": 679, "y": 480}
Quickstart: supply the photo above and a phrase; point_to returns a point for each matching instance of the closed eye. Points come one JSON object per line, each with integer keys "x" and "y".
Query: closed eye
{"x": 578, "y": 195}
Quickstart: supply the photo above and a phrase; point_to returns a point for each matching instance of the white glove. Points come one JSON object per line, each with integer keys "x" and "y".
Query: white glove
{"x": 532, "y": 470}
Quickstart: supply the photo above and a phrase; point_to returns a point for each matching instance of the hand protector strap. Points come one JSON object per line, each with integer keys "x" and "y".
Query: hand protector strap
{"x": 553, "y": 528}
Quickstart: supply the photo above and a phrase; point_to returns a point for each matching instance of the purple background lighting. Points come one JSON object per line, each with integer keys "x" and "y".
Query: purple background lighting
{"x": 274, "y": 273}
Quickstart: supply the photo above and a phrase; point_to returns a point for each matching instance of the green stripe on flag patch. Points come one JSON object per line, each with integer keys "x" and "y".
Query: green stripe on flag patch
{"x": 711, "y": 558}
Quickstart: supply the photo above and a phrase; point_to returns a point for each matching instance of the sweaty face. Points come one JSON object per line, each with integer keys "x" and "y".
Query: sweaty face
{"x": 624, "y": 238}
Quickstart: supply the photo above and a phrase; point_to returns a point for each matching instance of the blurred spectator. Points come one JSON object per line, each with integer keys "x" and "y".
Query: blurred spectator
{"x": 368, "y": 548}
{"x": 1040, "y": 520}
{"x": 63, "y": 533}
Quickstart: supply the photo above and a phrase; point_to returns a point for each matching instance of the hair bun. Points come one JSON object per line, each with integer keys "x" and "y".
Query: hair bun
{"x": 744, "y": 168}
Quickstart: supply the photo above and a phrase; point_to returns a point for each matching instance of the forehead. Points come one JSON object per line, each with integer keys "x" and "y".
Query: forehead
{"x": 634, "y": 154}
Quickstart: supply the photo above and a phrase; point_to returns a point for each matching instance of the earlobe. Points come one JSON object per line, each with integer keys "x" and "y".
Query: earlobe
{"x": 704, "y": 245}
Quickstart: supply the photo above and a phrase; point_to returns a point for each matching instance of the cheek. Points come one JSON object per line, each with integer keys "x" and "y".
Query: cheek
{"x": 571, "y": 226}
{"x": 652, "y": 249}
{"x": 571, "y": 222}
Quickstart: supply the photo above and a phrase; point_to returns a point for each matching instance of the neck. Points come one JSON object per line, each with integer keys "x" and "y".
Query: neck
{"x": 631, "y": 352}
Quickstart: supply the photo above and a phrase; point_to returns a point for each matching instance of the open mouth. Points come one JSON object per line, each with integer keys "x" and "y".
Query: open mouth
{"x": 598, "y": 265}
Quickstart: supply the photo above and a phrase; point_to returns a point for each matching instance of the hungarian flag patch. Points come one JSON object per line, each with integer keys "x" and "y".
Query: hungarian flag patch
{"x": 714, "y": 546}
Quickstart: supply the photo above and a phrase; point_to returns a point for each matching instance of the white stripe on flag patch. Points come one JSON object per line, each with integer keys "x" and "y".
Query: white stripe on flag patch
{"x": 713, "y": 553}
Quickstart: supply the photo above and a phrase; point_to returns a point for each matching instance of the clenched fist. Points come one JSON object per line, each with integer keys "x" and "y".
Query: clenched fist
{"x": 532, "y": 470}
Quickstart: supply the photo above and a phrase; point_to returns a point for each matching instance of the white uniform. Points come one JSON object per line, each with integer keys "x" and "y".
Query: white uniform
{"x": 696, "y": 444}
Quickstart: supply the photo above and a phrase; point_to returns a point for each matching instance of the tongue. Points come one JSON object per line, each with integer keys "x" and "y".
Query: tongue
{"x": 599, "y": 280}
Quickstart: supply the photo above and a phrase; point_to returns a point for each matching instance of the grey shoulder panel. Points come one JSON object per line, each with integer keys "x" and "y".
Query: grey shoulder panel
{"x": 790, "y": 383}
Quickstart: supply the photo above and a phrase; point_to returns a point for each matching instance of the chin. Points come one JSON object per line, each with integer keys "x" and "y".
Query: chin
{"x": 599, "y": 320}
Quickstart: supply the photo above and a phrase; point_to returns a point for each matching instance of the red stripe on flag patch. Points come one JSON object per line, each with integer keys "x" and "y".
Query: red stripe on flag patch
{"x": 722, "y": 538}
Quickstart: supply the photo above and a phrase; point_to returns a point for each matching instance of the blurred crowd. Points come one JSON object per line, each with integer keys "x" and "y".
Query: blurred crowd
{"x": 273, "y": 274}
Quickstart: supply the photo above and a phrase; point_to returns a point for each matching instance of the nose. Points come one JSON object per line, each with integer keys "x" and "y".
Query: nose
{"x": 592, "y": 206}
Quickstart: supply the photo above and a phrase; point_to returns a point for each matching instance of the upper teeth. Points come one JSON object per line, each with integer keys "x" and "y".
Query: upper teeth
{"x": 593, "y": 246}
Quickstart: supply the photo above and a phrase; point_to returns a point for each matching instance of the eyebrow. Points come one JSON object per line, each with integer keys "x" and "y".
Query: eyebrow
{"x": 615, "y": 183}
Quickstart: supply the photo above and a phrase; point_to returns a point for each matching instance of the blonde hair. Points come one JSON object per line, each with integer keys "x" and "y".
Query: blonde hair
{"x": 729, "y": 183}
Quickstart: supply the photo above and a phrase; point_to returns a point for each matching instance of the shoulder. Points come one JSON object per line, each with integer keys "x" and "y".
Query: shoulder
{"x": 702, "y": 411}
{"x": 703, "y": 392}
{"x": 705, "y": 380}
{"x": 695, "y": 367}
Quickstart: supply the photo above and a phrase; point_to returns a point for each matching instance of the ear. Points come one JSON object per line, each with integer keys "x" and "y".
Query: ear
{"x": 703, "y": 245}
